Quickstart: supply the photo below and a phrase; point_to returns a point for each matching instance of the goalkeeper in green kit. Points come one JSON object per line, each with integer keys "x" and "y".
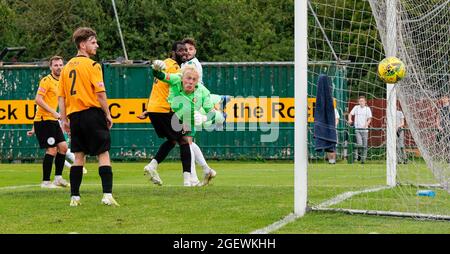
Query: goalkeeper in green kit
{"x": 187, "y": 98}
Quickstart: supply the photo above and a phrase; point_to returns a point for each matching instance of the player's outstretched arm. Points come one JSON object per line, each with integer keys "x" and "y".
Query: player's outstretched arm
{"x": 171, "y": 79}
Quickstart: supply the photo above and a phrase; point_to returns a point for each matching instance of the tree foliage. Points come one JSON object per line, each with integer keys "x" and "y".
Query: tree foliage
{"x": 226, "y": 30}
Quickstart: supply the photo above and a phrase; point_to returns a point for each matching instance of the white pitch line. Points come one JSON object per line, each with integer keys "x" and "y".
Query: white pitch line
{"x": 140, "y": 185}
{"x": 277, "y": 225}
{"x": 18, "y": 187}
{"x": 344, "y": 196}
{"x": 338, "y": 199}
{"x": 88, "y": 184}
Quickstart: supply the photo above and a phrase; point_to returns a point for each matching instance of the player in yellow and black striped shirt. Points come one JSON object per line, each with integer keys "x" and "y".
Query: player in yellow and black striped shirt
{"x": 46, "y": 126}
{"x": 83, "y": 100}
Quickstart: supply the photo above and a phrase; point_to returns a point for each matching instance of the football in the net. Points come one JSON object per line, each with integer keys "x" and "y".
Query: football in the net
{"x": 391, "y": 70}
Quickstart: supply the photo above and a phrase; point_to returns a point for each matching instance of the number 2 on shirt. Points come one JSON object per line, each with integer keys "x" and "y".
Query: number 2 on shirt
{"x": 73, "y": 76}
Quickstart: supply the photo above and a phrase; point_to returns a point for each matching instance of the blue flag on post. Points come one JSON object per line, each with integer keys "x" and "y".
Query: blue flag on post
{"x": 324, "y": 117}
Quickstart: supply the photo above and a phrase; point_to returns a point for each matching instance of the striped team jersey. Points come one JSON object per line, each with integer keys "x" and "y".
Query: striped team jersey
{"x": 48, "y": 88}
{"x": 80, "y": 81}
{"x": 157, "y": 101}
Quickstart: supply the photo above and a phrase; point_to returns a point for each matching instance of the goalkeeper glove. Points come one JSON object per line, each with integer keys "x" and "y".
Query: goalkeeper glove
{"x": 158, "y": 65}
{"x": 199, "y": 118}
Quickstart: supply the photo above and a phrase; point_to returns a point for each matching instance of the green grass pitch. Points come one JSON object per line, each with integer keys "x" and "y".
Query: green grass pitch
{"x": 244, "y": 197}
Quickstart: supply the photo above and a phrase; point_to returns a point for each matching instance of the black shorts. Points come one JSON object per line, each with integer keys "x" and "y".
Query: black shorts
{"x": 48, "y": 133}
{"x": 89, "y": 132}
{"x": 167, "y": 125}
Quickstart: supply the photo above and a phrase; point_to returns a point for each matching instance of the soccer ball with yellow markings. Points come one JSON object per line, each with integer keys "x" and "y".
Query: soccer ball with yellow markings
{"x": 391, "y": 70}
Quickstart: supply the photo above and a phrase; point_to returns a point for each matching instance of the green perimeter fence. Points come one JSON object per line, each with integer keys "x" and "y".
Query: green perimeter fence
{"x": 132, "y": 141}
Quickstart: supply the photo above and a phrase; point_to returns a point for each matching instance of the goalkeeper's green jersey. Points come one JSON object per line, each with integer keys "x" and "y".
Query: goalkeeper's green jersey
{"x": 184, "y": 104}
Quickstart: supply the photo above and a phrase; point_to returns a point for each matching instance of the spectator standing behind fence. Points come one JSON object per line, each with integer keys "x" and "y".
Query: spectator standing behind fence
{"x": 401, "y": 155}
{"x": 363, "y": 118}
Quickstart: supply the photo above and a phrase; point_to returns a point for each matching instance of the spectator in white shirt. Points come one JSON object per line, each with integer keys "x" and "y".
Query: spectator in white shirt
{"x": 363, "y": 118}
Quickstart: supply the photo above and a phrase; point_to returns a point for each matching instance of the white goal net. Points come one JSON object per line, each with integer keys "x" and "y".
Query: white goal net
{"x": 346, "y": 41}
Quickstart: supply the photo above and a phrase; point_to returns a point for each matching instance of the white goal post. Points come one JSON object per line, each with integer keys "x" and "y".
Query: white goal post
{"x": 392, "y": 22}
{"x": 301, "y": 97}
